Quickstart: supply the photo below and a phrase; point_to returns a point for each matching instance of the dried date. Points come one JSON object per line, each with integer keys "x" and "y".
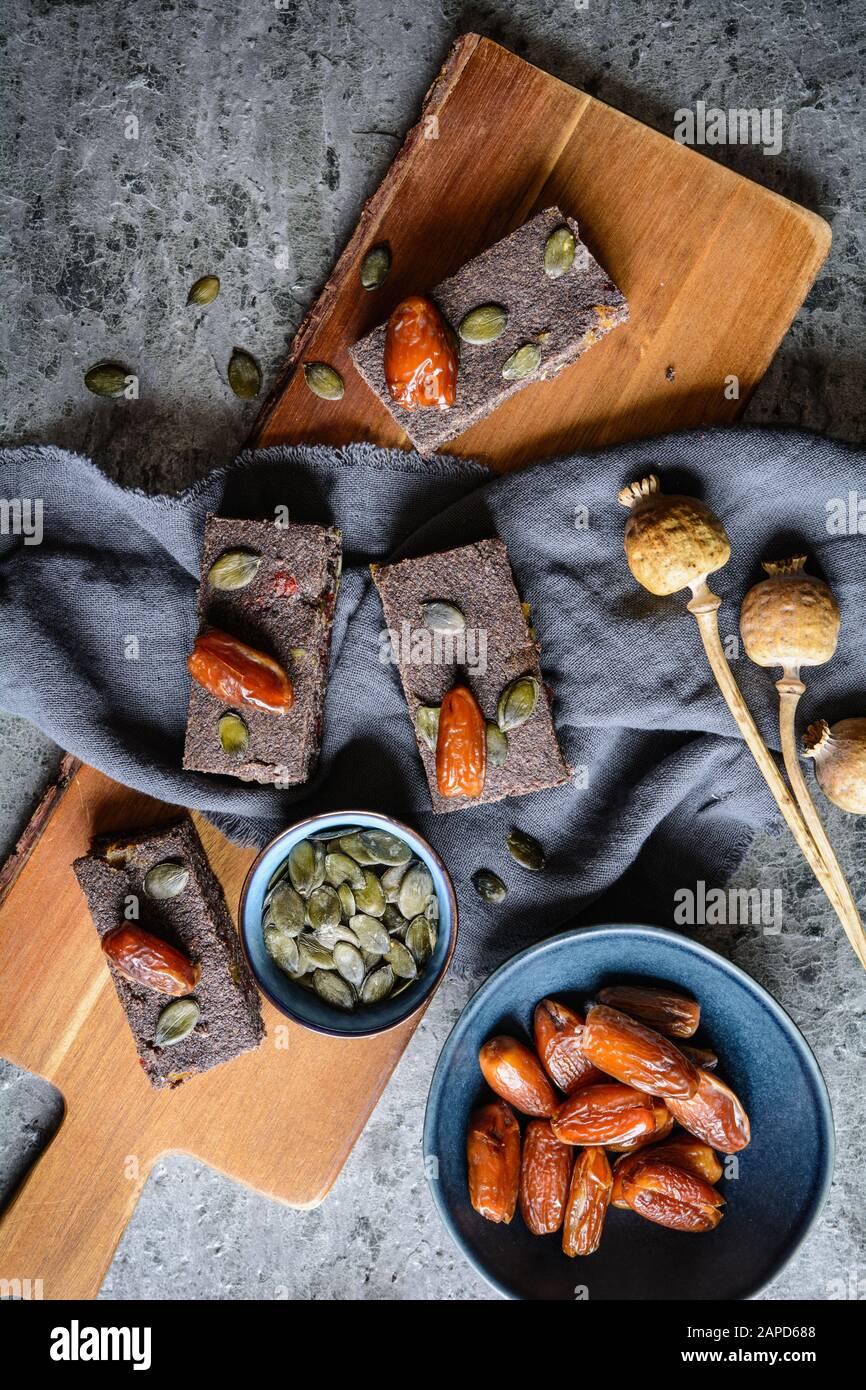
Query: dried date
{"x": 545, "y": 1171}
{"x": 669, "y": 1013}
{"x": 515, "y": 1073}
{"x": 239, "y": 675}
{"x": 604, "y": 1114}
{"x": 670, "y": 1196}
{"x": 493, "y": 1161}
{"x": 148, "y": 960}
{"x": 588, "y": 1201}
{"x": 461, "y": 745}
{"x": 714, "y": 1114}
{"x": 637, "y": 1055}
{"x": 558, "y": 1032}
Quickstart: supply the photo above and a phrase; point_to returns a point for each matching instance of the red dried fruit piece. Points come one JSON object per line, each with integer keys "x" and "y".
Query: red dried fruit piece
{"x": 461, "y": 745}
{"x": 685, "y": 1152}
{"x": 493, "y": 1160}
{"x": 606, "y": 1114}
{"x": 670, "y": 1196}
{"x": 239, "y": 675}
{"x": 515, "y": 1074}
{"x": 637, "y": 1055}
{"x": 588, "y": 1201}
{"x": 664, "y": 1123}
{"x": 703, "y": 1057}
{"x": 420, "y": 356}
{"x": 545, "y": 1172}
{"x": 284, "y": 585}
{"x": 714, "y": 1114}
{"x": 558, "y": 1031}
{"x": 671, "y": 1014}
{"x": 148, "y": 960}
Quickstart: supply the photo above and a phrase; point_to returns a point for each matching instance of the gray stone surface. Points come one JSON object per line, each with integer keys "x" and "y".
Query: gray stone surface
{"x": 260, "y": 130}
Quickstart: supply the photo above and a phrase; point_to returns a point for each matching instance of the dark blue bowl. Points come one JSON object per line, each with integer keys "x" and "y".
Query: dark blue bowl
{"x": 777, "y": 1186}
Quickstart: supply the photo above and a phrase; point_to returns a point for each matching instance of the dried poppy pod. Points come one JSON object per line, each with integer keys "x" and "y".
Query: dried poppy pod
{"x": 839, "y": 754}
{"x": 790, "y": 619}
{"x": 671, "y": 542}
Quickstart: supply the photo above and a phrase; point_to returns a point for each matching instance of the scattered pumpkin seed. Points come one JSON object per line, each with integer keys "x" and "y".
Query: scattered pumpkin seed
{"x": 107, "y": 379}
{"x": 441, "y": 616}
{"x": 497, "y": 745}
{"x": 375, "y": 266}
{"x": 347, "y": 900}
{"x": 234, "y": 735}
{"x": 522, "y": 362}
{"x": 341, "y": 868}
{"x": 323, "y": 908}
{"x": 324, "y": 381}
{"x": 377, "y": 985}
{"x": 388, "y": 849}
{"x": 176, "y": 1022}
{"x": 334, "y": 989}
{"x": 204, "y": 291}
{"x": 427, "y": 725}
{"x": 287, "y": 909}
{"x": 401, "y": 960}
{"x": 421, "y": 938}
{"x": 283, "y": 949}
{"x": 559, "y": 252}
{"x": 484, "y": 324}
{"x": 166, "y": 880}
{"x": 306, "y": 866}
{"x": 245, "y": 375}
{"x": 525, "y": 850}
{"x": 489, "y": 886}
{"x": 370, "y": 932}
{"x": 517, "y": 703}
{"x": 349, "y": 963}
{"x": 234, "y": 569}
{"x": 416, "y": 890}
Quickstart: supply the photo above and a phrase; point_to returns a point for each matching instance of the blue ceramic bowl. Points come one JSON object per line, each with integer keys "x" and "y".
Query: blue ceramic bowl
{"x": 783, "y": 1175}
{"x": 302, "y": 1005}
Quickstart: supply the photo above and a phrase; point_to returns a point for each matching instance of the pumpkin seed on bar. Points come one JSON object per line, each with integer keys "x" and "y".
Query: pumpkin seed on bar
{"x": 388, "y": 849}
{"x": 559, "y": 250}
{"x": 517, "y": 703}
{"x": 287, "y": 909}
{"x": 204, "y": 291}
{"x": 234, "y": 735}
{"x": 324, "y": 381}
{"x": 166, "y": 880}
{"x": 420, "y": 938}
{"x": 283, "y": 949}
{"x": 349, "y": 963}
{"x": 522, "y": 362}
{"x": 176, "y": 1022}
{"x": 427, "y": 725}
{"x": 489, "y": 886}
{"x": 401, "y": 960}
{"x": 416, "y": 890}
{"x": 497, "y": 745}
{"x": 441, "y": 616}
{"x": 525, "y": 850}
{"x": 244, "y": 374}
{"x": 484, "y": 324}
{"x": 306, "y": 866}
{"x": 107, "y": 379}
{"x": 378, "y": 985}
{"x": 375, "y": 266}
{"x": 234, "y": 569}
{"x": 334, "y": 989}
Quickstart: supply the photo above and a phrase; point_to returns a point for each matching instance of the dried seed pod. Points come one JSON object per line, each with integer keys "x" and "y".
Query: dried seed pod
{"x": 671, "y": 1196}
{"x": 493, "y": 1161}
{"x": 239, "y": 675}
{"x": 839, "y": 754}
{"x": 146, "y": 959}
{"x": 669, "y": 1013}
{"x": 558, "y": 1032}
{"x": 790, "y": 619}
{"x": 515, "y": 1073}
{"x": 588, "y": 1201}
{"x": 671, "y": 542}
{"x": 461, "y": 745}
{"x": 637, "y": 1055}
{"x": 604, "y": 1114}
{"x": 545, "y": 1172}
{"x": 714, "y": 1114}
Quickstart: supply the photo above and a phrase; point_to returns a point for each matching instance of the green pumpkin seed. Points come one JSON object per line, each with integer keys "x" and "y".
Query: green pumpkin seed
{"x": 341, "y": 868}
{"x": 427, "y": 725}
{"x": 176, "y": 1022}
{"x": 393, "y": 919}
{"x": 522, "y": 363}
{"x": 334, "y": 989}
{"x": 440, "y": 616}
{"x": 431, "y": 911}
{"x": 323, "y": 381}
{"x": 497, "y": 745}
{"x": 330, "y": 834}
{"x": 282, "y": 948}
{"x": 388, "y": 849}
{"x": 330, "y": 936}
{"x": 370, "y": 899}
{"x": 375, "y": 266}
{"x": 286, "y": 909}
{"x": 234, "y": 735}
{"x": 204, "y": 291}
{"x": 416, "y": 890}
{"x": 349, "y": 963}
{"x": 378, "y": 985}
{"x": 420, "y": 938}
{"x": 348, "y": 905}
{"x": 484, "y": 324}
{"x": 391, "y": 880}
{"x": 107, "y": 379}
{"x": 313, "y": 955}
{"x": 401, "y": 961}
{"x": 517, "y": 703}
{"x": 371, "y": 934}
{"x": 306, "y": 866}
{"x": 166, "y": 880}
{"x": 245, "y": 375}
{"x": 489, "y": 886}
{"x": 354, "y": 846}
{"x": 276, "y": 877}
{"x": 234, "y": 569}
{"x": 525, "y": 850}
{"x": 323, "y": 908}
{"x": 559, "y": 250}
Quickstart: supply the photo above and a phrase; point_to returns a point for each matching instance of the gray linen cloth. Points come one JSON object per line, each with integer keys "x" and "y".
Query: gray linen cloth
{"x": 98, "y": 618}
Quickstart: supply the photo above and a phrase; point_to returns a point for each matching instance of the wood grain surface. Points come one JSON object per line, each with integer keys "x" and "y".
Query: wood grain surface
{"x": 715, "y": 269}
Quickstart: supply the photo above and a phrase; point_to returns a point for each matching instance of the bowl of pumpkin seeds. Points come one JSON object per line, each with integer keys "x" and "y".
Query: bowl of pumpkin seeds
{"x": 348, "y": 921}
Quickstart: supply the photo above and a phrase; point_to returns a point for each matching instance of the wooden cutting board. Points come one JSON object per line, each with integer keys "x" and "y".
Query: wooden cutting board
{"x": 715, "y": 269}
